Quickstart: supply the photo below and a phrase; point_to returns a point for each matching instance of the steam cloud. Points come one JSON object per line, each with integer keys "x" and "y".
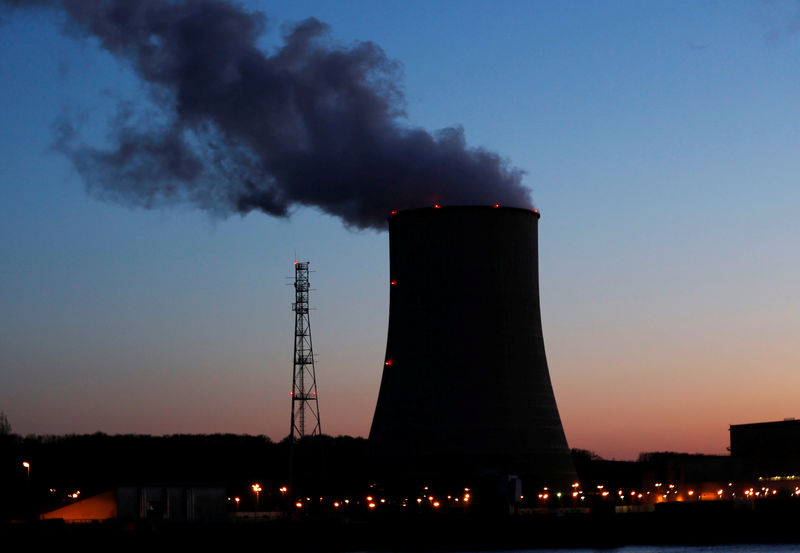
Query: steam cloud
{"x": 233, "y": 128}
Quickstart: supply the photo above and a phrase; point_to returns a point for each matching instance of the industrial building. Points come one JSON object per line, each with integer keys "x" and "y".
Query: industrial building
{"x": 767, "y": 449}
{"x": 176, "y": 504}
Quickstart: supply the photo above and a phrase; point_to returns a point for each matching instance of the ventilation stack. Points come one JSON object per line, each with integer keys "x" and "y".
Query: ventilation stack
{"x": 466, "y": 389}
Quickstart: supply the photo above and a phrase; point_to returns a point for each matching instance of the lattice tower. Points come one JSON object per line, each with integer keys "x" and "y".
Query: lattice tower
{"x": 304, "y": 381}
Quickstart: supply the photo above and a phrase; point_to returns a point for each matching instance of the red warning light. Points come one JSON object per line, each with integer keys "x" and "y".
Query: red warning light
{"x": 497, "y": 205}
{"x": 394, "y": 283}
{"x": 388, "y": 363}
{"x": 394, "y": 212}
{"x": 295, "y": 262}
{"x": 437, "y": 206}
{"x": 536, "y": 211}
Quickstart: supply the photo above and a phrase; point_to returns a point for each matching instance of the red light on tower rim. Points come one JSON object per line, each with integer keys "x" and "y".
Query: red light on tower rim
{"x": 436, "y": 206}
{"x": 388, "y": 363}
{"x": 497, "y": 205}
{"x": 394, "y": 212}
{"x": 393, "y": 283}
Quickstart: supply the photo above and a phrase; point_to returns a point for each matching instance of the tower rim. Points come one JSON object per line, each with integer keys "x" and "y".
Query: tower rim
{"x": 465, "y": 208}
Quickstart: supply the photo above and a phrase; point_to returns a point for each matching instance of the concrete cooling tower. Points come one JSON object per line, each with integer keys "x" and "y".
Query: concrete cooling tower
{"x": 465, "y": 388}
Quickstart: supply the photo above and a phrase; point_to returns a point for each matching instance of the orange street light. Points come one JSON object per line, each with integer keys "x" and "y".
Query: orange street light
{"x": 256, "y": 488}
{"x": 27, "y": 466}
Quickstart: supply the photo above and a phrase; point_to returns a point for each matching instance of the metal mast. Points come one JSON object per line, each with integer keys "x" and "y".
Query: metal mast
{"x": 304, "y": 381}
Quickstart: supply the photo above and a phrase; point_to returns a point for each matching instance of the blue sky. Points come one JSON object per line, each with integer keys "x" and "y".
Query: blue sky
{"x": 661, "y": 145}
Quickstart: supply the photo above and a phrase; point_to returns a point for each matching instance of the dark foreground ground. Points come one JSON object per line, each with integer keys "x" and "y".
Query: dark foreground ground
{"x": 440, "y": 533}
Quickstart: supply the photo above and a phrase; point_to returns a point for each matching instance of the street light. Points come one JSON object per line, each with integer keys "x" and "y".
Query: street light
{"x": 256, "y": 488}
{"x": 27, "y": 466}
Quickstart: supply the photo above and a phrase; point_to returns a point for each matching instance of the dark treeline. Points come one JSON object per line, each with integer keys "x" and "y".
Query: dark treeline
{"x": 98, "y": 462}
{"x": 658, "y": 466}
{"x": 316, "y": 466}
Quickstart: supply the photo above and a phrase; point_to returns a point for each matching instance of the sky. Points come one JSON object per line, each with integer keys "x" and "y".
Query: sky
{"x": 659, "y": 141}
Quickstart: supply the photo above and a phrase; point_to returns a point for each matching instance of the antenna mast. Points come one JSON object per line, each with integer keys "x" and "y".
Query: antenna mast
{"x": 304, "y": 380}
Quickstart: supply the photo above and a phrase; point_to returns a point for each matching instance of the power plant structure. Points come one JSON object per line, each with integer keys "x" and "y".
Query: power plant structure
{"x": 466, "y": 389}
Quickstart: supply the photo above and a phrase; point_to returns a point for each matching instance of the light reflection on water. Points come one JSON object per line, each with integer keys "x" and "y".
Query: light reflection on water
{"x": 739, "y": 548}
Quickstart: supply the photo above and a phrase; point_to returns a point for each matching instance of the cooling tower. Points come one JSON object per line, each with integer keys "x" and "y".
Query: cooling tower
{"x": 465, "y": 387}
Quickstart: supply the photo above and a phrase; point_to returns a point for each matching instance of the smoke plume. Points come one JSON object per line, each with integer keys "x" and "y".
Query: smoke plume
{"x": 232, "y": 128}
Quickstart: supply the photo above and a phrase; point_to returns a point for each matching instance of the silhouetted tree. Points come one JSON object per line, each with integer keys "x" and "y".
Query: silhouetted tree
{"x": 584, "y": 455}
{"x": 5, "y": 426}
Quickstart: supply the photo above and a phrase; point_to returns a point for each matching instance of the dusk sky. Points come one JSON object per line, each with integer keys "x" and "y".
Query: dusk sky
{"x": 659, "y": 140}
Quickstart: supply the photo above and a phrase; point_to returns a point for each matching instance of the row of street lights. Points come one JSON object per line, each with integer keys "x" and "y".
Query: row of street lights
{"x": 257, "y": 489}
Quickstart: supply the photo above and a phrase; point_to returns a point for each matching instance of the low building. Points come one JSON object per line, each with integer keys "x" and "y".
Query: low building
{"x": 176, "y": 504}
{"x": 767, "y": 449}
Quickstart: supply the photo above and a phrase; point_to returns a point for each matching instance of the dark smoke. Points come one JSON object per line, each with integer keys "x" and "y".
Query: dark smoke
{"x": 234, "y": 129}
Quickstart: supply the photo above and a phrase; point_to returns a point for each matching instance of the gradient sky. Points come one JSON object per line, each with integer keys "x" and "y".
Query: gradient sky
{"x": 661, "y": 142}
